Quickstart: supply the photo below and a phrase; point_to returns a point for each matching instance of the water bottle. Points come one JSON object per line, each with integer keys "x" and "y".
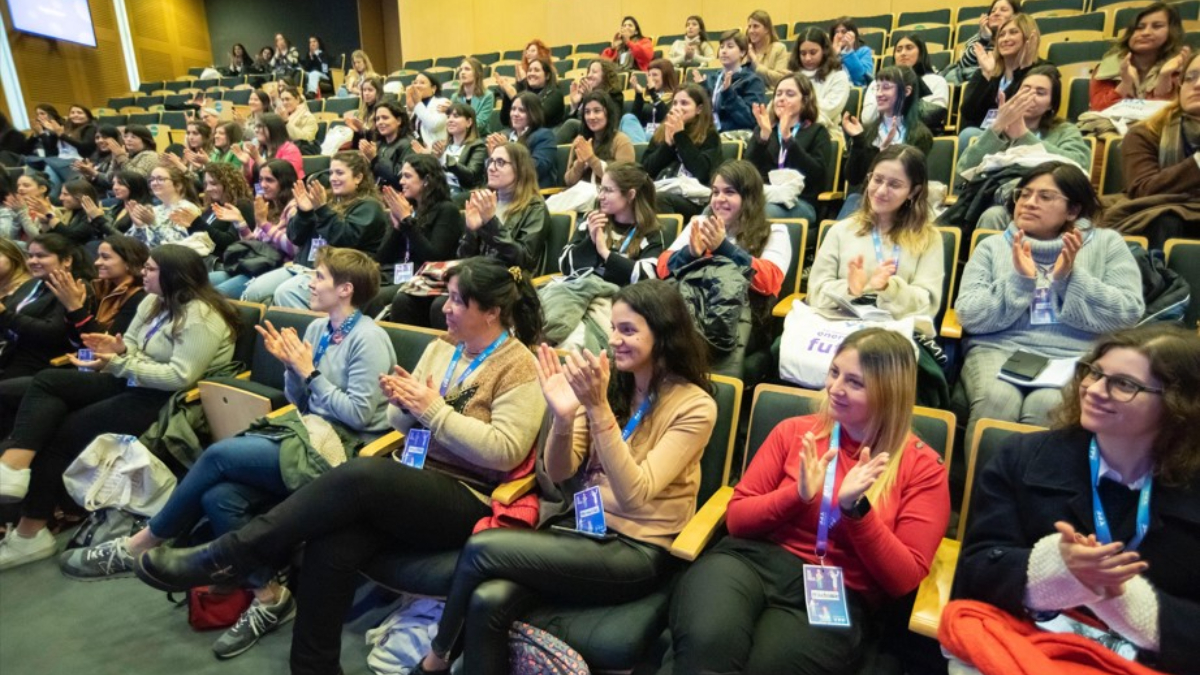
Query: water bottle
{"x": 85, "y": 354}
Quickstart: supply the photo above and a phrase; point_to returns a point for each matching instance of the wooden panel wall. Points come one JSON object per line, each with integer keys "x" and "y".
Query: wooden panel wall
{"x": 491, "y": 25}
{"x": 169, "y": 37}
{"x": 61, "y": 73}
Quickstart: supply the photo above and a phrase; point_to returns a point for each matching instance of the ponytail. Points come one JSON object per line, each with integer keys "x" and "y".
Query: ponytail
{"x": 490, "y": 284}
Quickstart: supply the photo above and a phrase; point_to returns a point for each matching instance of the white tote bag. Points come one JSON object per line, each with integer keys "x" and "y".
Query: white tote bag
{"x": 116, "y": 470}
{"x": 810, "y": 341}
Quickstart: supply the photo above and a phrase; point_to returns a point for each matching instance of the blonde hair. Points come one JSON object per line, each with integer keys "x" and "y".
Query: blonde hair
{"x": 1028, "y": 27}
{"x": 889, "y": 370}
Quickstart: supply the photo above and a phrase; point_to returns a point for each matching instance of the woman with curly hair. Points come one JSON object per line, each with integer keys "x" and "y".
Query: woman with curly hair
{"x": 224, "y": 188}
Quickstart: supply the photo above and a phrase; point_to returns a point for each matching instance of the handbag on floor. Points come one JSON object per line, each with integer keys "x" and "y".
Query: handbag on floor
{"x": 105, "y": 525}
{"x": 212, "y": 608}
{"x": 116, "y": 470}
{"x": 533, "y": 651}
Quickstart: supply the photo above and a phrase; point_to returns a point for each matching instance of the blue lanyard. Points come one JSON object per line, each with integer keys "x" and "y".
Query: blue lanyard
{"x": 632, "y": 425}
{"x": 470, "y": 368}
{"x": 628, "y": 238}
{"x": 33, "y": 295}
{"x": 154, "y": 328}
{"x": 829, "y": 515}
{"x": 335, "y": 335}
{"x": 783, "y": 152}
{"x": 1143, "y": 512}
{"x": 879, "y": 248}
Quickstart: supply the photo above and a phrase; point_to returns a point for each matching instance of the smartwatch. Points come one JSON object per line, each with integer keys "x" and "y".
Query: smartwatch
{"x": 860, "y": 509}
{"x": 311, "y": 376}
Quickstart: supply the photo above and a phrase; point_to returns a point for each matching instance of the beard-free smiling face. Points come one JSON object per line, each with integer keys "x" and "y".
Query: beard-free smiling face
{"x": 631, "y": 340}
{"x": 343, "y": 182}
{"x": 726, "y": 201}
{"x": 42, "y": 262}
{"x": 849, "y": 403}
{"x": 1101, "y": 414}
{"x": 109, "y": 265}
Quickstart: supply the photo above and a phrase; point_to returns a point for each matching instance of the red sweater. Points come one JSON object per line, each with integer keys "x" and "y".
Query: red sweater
{"x": 885, "y": 554}
{"x": 643, "y": 52}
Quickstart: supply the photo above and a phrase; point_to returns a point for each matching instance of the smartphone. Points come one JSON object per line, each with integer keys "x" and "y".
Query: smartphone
{"x": 1024, "y": 366}
{"x": 591, "y": 535}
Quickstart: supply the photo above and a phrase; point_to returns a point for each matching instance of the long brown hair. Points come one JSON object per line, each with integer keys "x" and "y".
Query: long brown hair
{"x": 182, "y": 278}
{"x": 830, "y": 61}
{"x": 1174, "y": 356}
{"x": 889, "y": 369}
{"x": 701, "y": 125}
{"x": 629, "y": 176}
{"x": 912, "y": 227}
{"x": 1174, "y": 32}
{"x": 525, "y": 187}
{"x": 367, "y": 190}
{"x": 752, "y": 226}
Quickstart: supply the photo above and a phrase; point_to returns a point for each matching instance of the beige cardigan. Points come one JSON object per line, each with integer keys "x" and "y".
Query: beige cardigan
{"x": 649, "y": 485}
{"x": 622, "y": 149}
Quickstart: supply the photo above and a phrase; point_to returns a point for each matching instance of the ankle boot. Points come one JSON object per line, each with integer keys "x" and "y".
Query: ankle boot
{"x": 180, "y": 569}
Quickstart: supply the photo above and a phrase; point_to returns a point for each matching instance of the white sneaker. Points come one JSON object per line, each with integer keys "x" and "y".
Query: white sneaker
{"x": 14, "y": 483}
{"x": 17, "y": 550}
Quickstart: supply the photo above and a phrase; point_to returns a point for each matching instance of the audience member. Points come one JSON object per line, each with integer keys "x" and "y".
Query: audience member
{"x": 815, "y": 58}
{"x": 789, "y": 136}
{"x": 630, "y": 50}
{"x": 692, "y": 49}
{"x": 1146, "y": 63}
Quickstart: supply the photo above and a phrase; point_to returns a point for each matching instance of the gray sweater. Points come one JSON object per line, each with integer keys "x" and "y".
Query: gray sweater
{"x": 347, "y": 390}
{"x": 1103, "y": 293}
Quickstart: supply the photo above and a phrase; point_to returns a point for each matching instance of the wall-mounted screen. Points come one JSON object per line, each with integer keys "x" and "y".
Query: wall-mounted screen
{"x": 69, "y": 20}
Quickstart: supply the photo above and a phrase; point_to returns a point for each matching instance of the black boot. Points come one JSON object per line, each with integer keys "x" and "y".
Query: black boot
{"x": 180, "y": 569}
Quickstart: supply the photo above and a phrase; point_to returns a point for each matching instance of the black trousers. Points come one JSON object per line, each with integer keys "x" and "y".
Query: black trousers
{"x": 347, "y": 516}
{"x": 64, "y": 410}
{"x": 502, "y": 573}
{"x": 1168, "y": 226}
{"x": 418, "y": 310}
{"x": 740, "y": 609}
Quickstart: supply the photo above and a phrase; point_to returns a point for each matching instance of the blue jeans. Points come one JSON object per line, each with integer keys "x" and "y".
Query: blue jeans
{"x": 853, "y": 201}
{"x": 262, "y": 287}
{"x": 233, "y": 480}
{"x": 294, "y": 292}
{"x": 802, "y": 209}
{"x": 632, "y": 127}
{"x": 230, "y": 286}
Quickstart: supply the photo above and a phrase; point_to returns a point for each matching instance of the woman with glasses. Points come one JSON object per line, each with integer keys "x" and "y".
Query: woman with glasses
{"x": 887, "y": 254}
{"x": 1047, "y": 287}
{"x": 1100, "y": 512}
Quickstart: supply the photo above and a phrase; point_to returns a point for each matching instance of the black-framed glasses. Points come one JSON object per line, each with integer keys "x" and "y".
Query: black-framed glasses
{"x": 1119, "y": 388}
{"x": 497, "y": 162}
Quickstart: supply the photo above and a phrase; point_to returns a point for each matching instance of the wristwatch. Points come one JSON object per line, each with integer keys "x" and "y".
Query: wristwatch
{"x": 860, "y": 509}
{"x": 311, "y": 376}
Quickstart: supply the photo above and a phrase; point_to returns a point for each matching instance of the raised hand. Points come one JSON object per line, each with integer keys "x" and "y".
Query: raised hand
{"x": 856, "y": 276}
{"x": 443, "y": 107}
{"x": 481, "y": 208}
{"x": 418, "y": 147}
{"x": 597, "y": 224}
{"x": 583, "y": 149}
{"x": 1029, "y": 53}
{"x": 181, "y": 218}
{"x": 861, "y": 477}
{"x": 407, "y": 392}
{"x": 763, "y": 117}
{"x": 369, "y": 149}
{"x": 438, "y": 148}
{"x": 316, "y": 193}
{"x": 985, "y": 59}
{"x": 851, "y": 125}
{"x": 984, "y": 31}
{"x": 398, "y": 207}
{"x": 588, "y": 376}
{"x": 272, "y": 340}
{"x": 1169, "y": 73}
{"x": 560, "y": 397}
{"x": 304, "y": 200}
{"x": 495, "y": 140}
{"x": 714, "y": 232}
{"x": 103, "y": 342}
{"x": 811, "y": 477}
{"x": 697, "y": 76}
{"x": 228, "y": 213}
{"x": 71, "y": 292}
{"x": 140, "y": 214}
{"x": 262, "y": 210}
{"x": 1104, "y": 568}
{"x": 1022, "y": 252}
{"x": 882, "y": 275}
{"x": 1072, "y": 242}
{"x": 91, "y": 208}
{"x": 696, "y": 238}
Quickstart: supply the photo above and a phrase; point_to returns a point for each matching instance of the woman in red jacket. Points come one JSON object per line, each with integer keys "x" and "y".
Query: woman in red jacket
{"x": 1147, "y": 62}
{"x": 630, "y": 50}
{"x": 848, "y": 496}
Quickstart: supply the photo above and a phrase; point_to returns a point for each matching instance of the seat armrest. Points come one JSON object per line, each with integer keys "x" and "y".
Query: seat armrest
{"x": 546, "y": 192}
{"x": 386, "y": 443}
{"x": 701, "y": 528}
{"x": 785, "y": 305}
{"x": 538, "y": 282}
{"x": 513, "y": 490}
{"x": 950, "y": 200}
{"x": 951, "y": 328}
{"x": 193, "y": 394}
{"x": 280, "y": 412}
{"x": 934, "y": 592}
{"x": 60, "y": 361}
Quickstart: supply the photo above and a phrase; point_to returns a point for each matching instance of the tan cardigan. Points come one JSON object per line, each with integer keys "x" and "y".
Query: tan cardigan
{"x": 302, "y": 125}
{"x": 622, "y": 149}
{"x": 649, "y": 486}
{"x": 773, "y": 65}
{"x": 487, "y": 426}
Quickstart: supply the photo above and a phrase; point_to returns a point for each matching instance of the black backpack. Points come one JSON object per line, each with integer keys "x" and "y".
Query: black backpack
{"x": 1166, "y": 292}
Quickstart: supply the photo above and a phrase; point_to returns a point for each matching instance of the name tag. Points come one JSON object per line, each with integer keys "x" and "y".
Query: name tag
{"x": 402, "y": 273}
{"x": 825, "y": 596}
{"x": 1041, "y": 311}
{"x": 416, "y": 448}
{"x": 651, "y": 128}
{"x": 589, "y": 512}
{"x": 989, "y": 119}
{"x": 317, "y": 244}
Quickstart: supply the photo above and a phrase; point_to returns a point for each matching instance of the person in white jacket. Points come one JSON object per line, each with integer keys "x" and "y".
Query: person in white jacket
{"x": 814, "y": 56}
{"x": 427, "y": 108}
{"x": 888, "y": 254}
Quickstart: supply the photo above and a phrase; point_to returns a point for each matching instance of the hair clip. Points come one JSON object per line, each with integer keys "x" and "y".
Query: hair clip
{"x": 515, "y": 272}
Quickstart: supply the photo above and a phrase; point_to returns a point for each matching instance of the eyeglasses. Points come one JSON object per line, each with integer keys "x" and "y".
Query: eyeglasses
{"x": 156, "y": 179}
{"x": 1191, "y": 76}
{"x": 497, "y": 163}
{"x": 1118, "y": 387}
{"x": 881, "y": 181}
{"x": 1029, "y": 194}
